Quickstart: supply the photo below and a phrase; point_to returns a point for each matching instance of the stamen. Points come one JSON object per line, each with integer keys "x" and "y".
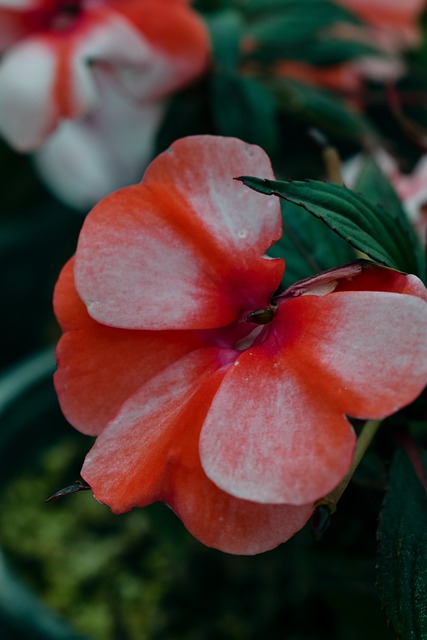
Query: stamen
{"x": 262, "y": 316}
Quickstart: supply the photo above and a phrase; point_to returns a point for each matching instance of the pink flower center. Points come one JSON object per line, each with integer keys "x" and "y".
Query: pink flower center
{"x": 252, "y": 328}
{"x": 66, "y": 14}
{"x": 59, "y": 15}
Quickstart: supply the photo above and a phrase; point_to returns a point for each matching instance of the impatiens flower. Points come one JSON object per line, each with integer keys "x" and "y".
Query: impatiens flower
{"x": 394, "y": 22}
{"x": 83, "y": 83}
{"x": 205, "y": 389}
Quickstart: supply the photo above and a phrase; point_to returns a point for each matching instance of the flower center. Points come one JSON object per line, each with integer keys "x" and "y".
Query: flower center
{"x": 262, "y": 316}
{"x": 66, "y": 14}
{"x": 250, "y": 335}
{"x": 70, "y": 7}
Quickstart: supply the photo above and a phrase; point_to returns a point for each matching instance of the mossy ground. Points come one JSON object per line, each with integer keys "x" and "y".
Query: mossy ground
{"x": 141, "y": 576}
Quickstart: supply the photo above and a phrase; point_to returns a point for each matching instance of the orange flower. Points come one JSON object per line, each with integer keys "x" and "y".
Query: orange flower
{"x": 204, "y": 389}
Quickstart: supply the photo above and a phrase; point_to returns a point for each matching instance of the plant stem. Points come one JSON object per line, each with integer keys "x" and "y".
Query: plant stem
{"x": 364, "y": 440}
{"x": 332, "y": 163}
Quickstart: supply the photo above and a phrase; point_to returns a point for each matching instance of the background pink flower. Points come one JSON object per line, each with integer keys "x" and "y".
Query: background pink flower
{"x": 394, "y": 21}
{"x": 238, "y": 426}
{"x": 84, "y": 85}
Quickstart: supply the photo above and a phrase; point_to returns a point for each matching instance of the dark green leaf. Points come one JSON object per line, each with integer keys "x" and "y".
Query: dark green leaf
{"x": 402, "y": 533}
{"x": 307, "y": 245}
{"x": 319, "y": 52}
{"x": 25, "y": 614}
{"x": 368, "y": 228}
{"x": 289, "y": 28}
{"x": 323, "y": 12}
{"x": 243, "y": 108}
{"x": 225, "y": 29}
{"x": 300, "y": 30}
{"x": 185, "y": 116}
{"x": 372, "y": 183}
{"x": 331, "y": 51}
{"x": 321, "y": 109}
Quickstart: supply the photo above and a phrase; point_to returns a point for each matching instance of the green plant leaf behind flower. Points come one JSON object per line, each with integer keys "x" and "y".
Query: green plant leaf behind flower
{"x": 370, "y": 229}
{"x": 322, "y": 109}
{"x": 307, "y": 245}
{"x": 226, "y": 29}
{"x": 402, "y": 534}
{"x": 237, "y": 103}
{"x": 374, "y": 185}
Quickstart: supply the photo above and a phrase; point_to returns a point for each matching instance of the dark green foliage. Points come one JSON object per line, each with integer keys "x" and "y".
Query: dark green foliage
{"x": 373, "y": 184}
{"x": 250, "y": 113}
{"x": 368, "y": 228}
{"x": 402, "y": 534}
{"x": 321, "y": 109}
{"x": 72, "y": 564}
{"x": 296, "y": 246}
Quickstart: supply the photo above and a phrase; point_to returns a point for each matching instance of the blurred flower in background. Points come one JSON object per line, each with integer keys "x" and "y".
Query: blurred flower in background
{"x": 83, "y": 84}
{"x": 391, "y": 27}
{"x": 395, "y": 23}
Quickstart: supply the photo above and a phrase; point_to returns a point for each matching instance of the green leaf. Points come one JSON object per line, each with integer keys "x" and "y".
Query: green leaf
{"x": 317, "y": 51}
{"x": 319, "y": 11}
{"x": 307, "y": 245}
{"x": 368, "y": 228}
{"x": 321, "y": 109}
{"x": 300, "y": 30}
{"x": 372, "y": 183}
{"x": 402, "y": 534}
{"x": 225, "y": 28}
{"x": 331, "y": 51}
{"x": 287, "y": 28}
{"x": 243, "y": 108}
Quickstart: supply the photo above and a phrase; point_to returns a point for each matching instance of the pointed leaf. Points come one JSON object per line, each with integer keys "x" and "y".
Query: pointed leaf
{"x": 368, "y": 228}
{"x": 307, "y": 245}
{"x": 322, "y": 109}
{"x": 374, "y": 185}
{"x": 402, "y": 533}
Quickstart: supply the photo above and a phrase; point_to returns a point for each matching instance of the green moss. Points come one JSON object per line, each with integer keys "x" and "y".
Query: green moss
{"x": 141, "y": 576}
{"x": 106, "y": 574}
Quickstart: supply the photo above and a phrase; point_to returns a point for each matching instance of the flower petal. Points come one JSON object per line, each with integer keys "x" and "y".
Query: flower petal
{"x": 276, "y": 430}
{"x": 50, "y": 77}
{"x": 14, "y": 25}
{"x": 99, "y": 367}
{"x": 150, "y": 452}
{"x": 376, "y": 278}
{"x": 226, "y": 523}
{"x": 386, "y": 12}
{"x": 27, "y": 112}
{"x": 371, "y": 349}
{"x": 271, "y": 437}
{"x": 180, "y": 45}
{"x": 23, "y": 5}
{"x": 86, "y": 159}
{"x": 184, "y": 248}
{"x": 131, "y": 460}
{"x": 395, "y": 20}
